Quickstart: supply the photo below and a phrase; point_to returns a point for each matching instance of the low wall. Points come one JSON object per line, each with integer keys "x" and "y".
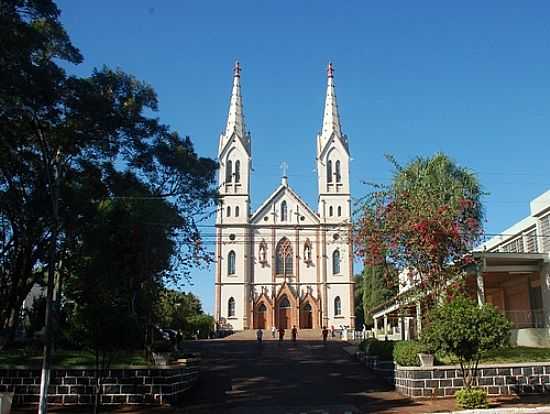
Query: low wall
{"x": 75, "y": 386}
{"x": 444, "y": 381}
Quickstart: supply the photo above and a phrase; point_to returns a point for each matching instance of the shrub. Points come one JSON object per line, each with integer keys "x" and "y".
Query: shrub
{"x": 470, "y": 398}
{"x": 463, "y": 329}
{"x": 364, "y": 346}
{"x": 405, "y": 353}
{"x": 382, "y": 349}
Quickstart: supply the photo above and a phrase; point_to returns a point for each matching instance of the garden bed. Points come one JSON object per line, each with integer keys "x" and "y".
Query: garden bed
{"x": 68, "y": 359}
{"x": 510, "y": 378}
{"x": 506, "y": 355}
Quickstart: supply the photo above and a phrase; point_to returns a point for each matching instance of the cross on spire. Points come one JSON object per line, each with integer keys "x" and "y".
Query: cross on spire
{"x": 284, "y": 167}
{"x": 235, "y": 119}
{"x": 331, "y": 118}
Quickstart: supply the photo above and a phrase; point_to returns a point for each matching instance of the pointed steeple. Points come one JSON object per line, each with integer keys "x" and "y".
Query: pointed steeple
{"x": 235, "y": 119}
{"x": 331, "y": 118}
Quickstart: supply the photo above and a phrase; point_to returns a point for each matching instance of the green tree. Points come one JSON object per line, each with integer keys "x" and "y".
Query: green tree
{"x": 117, "y": 272}
{"x": 376, "y": 290}
{"x": 426, "y": 222}
{"x": 201, "y": 325}
{"x": 57, "y": 130}
{"x": 182, "y": 311}
{"x": 358, "y": 297}
{"x": 466, "y": 331}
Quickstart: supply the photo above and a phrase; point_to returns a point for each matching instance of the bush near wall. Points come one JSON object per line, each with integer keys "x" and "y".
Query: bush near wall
{"x": 381, "y": 349}
{"x": 405, "y": 353}
{"x": 471, "y": 398}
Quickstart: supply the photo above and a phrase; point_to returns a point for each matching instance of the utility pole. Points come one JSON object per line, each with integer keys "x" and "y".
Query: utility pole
{"x": 48, "y": 331}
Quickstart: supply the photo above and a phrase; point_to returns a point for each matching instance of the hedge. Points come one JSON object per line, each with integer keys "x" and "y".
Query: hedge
{"x": 405, "y": 353}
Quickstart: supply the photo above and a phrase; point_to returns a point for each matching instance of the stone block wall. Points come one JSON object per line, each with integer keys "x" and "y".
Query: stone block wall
{"x": 444, "y": 381}
{"x": 153, "y": 386}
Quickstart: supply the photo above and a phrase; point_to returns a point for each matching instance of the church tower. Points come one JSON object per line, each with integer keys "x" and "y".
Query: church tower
{"x": 333, "y": 162}
{"x": 234, "y": 156}
{"x": 232, "y": 251}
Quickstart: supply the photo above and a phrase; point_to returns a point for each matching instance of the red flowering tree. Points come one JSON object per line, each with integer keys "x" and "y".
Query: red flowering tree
{"x": 425, "y": 222}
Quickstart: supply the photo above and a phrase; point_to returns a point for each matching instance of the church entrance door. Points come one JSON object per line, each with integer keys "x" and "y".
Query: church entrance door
{"x": 261, "y": 317}
{"x": 306, "y": 317}
{"x": 283, "y": 315}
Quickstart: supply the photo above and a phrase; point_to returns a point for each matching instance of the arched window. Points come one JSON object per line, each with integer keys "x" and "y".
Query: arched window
{"x": 284, "y": 211}
{"x": 337, "y": 306}
{"x": 330, "y": 211}
{"x": 329, "y": 171}
{"x": 338, "y": 175}
{"x": 237, "y": 211}
{"x": 237, "y": 171}
{"x": 231, "y": 263}
{"x": 339, "y": 211}
{"x": 307, "y": 307}
{"x": 230, "y": 307}
{"x": 228, "y": 211}
{"x": 284, "y": 303}
{"x": 336, "y": 262}
{"x": 229, "y": 172}
{"x": 283, "y": 258}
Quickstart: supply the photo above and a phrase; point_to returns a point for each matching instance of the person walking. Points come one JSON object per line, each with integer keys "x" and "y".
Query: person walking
{"x": 294, "y": 333}
{"x": 281, "y": 334}
{"x": 259, "y": 335}
{"x": 273, "y": 331}
{"x": 325, "y": 334}
{"x": 331, "y": 330}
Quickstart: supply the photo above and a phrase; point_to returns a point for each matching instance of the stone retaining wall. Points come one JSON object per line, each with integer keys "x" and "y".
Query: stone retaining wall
{"x": 444, "y": 381}
{"x": 75, "y": 386}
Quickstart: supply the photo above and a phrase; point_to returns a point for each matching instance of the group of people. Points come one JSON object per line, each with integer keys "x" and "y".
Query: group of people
{"x": 293, "y": 333}
{"x": 281, "y": 331}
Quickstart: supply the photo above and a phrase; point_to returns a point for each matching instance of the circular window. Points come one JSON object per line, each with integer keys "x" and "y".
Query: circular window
{"x": 302, "y": 218}
{"x": 266, "y": 218}
{"x": 336, "y": 236}
{"x": 231, "y": 237}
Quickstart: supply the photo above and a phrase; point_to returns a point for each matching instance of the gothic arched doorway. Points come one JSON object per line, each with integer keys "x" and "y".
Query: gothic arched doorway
{"x": 261, "y": 317}
{"x": 283, "y": 313}
{"x": 306, "y": 317}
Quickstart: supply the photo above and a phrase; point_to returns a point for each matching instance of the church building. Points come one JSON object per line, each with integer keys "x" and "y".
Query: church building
{"x": 284, "y": 264}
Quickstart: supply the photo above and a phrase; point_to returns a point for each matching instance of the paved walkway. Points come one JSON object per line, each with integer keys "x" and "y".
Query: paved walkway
{"x": 240, "y": 377}
{"x": 306, "y": 377}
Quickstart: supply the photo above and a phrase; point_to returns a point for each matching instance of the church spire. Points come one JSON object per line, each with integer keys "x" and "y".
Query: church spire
{"x": 331, "y": 118}
{"x": 235, "y": 119}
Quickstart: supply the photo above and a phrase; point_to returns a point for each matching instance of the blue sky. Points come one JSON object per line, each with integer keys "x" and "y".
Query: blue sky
{"x": 467, "y": 78}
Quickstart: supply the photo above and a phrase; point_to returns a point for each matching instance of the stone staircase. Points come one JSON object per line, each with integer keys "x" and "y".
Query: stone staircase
{"x": 303, "y": 335}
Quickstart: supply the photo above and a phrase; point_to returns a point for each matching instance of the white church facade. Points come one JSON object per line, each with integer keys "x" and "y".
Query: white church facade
{"x": 284, "y": 264}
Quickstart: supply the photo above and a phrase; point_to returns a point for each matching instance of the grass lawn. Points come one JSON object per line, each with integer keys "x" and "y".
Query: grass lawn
{"x": 501, "y": 356}
{"x": 67, "y": 358}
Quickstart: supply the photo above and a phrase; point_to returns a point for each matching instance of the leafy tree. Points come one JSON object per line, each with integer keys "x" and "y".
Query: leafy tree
{"x": 466, "y": 331}
{"x": 57, "y": 129}
{"x": 358, "y": 297}
{"x": 182, "y": 311}
{"x": 31, "y": 85}
{"x": 201, "y": 325}
{"x": 117, "y": 272}
{"x": 375, "y": 290}
{"x": 425, "y": 222}
{"x": 59, "y": 132}
{"x": 175, "y": 308}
